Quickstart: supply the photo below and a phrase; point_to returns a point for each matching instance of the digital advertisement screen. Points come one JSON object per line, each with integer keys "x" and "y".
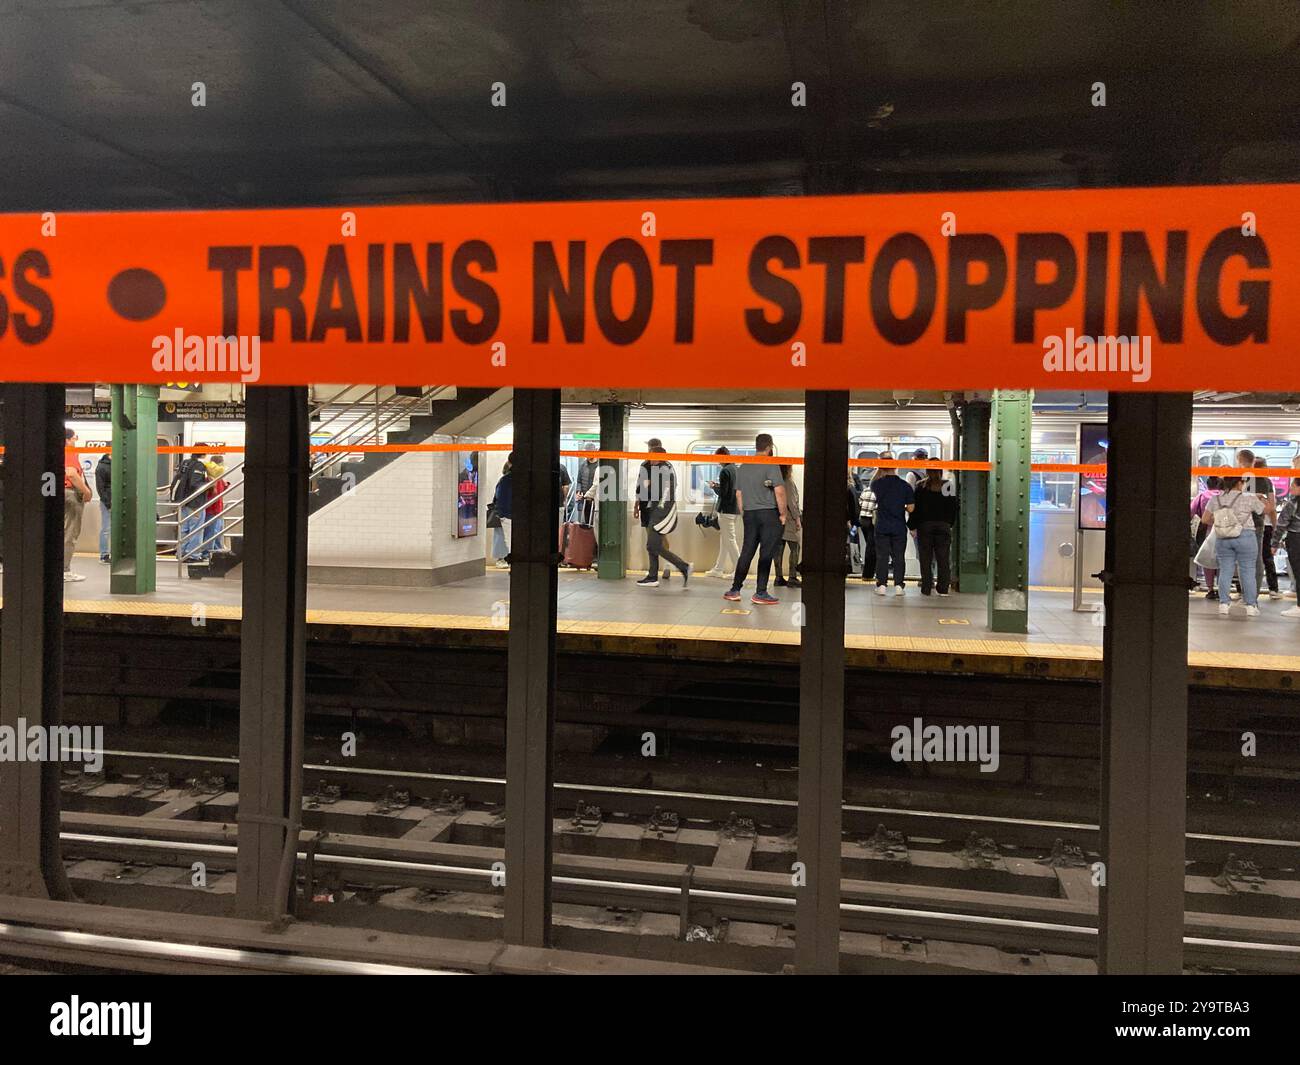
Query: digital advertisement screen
{"x": 1093, "y": 447}
{"x": 467, "y": 493}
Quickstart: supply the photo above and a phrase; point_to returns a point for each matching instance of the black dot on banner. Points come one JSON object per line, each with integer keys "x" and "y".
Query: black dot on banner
{"x": 137, "y": 294}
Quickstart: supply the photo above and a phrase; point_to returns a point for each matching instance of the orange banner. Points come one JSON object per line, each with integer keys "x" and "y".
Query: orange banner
{"x": 1159, "y": 289}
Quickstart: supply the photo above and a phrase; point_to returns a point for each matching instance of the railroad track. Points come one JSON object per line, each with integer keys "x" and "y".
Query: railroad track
{"x": 907, "y": 914}
{"x": 859, "y": 819}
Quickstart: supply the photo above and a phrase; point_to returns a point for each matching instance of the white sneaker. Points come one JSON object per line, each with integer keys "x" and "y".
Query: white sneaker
{"x": 1276, "y": 595}
{"x": 1294, "y": 612}
{"x": 69, "y": 577}
{"x": 1225, "y": 608}
{"x": 880, "y": 589}
{"x": 898, "y": 590}
{"x": 1252, "y": 611}
{"x": 502, "y": 564}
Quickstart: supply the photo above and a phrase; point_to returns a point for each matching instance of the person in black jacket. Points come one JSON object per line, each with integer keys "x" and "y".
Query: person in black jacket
{"x": 728, "y": 519}
{"x": 933, "y": 518}
{"x": 104, "y": 489}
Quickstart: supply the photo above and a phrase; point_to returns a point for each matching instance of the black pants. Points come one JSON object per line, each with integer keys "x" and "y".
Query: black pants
{"x": 934, "y": 544}
{"x": 762, "y": 534}
{"x": 1270, "y": 570}
{"x": 891, "y": 546}
{"x": 655, "y": 548}
{"x": 868, "y": 528}
{"x": 793, "y": 546}
{"x": 1293, "y": 558}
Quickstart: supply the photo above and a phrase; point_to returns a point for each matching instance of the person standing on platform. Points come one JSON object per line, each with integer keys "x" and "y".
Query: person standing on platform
{"x": 76, "y": 494}
{"x": 791, "y": 531}
{"x": 191, "y": 475}
{"x": 760, "y": 495}
{"x": 502, "y": 499}
{"x": 1266, "y": 491}
{"x": 895, "y": 500}
{"x": 1229, "y": 514}
{"x": 104, "y": 489}
{"x": 867, "y": 524}
{"x": 1286, "y": 534}
{"x": 728, "y": 520}
{"x": 933, "y": 518}
{"x": 656, "y": 507}
{"x": 1212, "y": 487}
{"x": 214, "y": 522}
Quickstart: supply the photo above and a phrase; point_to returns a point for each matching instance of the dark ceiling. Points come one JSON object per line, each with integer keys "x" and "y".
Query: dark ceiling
{"x": 328, "y": 101}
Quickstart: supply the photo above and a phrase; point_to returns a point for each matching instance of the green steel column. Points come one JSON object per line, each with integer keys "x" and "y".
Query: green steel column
{"x": 973, "y": 502}
{"x": 612, "y": 522}
{"x": 133, "y": 538}
{"x": 1009, "y": 512}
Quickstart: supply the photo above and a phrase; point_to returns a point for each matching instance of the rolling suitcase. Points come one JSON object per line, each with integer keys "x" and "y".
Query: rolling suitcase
{"x": 580, "y": 545}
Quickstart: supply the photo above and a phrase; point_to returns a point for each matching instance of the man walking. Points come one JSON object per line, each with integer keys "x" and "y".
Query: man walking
{"x": 760, "y": 496}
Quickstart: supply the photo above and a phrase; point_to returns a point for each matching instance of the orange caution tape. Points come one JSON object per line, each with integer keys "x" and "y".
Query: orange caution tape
{"x": 1138, "y": 289}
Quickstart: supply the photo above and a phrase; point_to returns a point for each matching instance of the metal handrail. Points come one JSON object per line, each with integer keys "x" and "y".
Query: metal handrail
{"x": 396, "y": 414}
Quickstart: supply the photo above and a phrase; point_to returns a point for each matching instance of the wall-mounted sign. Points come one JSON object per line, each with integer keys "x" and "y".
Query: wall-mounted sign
{"x": 1093, "y": 450}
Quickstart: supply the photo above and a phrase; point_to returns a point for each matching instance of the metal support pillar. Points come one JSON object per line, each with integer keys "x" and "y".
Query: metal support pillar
{"x": 1144, "y": 683}
{"x": 821, "y": 683}
{"x": 530, "y": 669}
{"x": 611, "y": 563}
{"x": 272, "y": 650}
{"x": 1008, "y": 594}
{"x": 31, "y": 637}
{"x": 973, "y": 501}
{"x": 133, "y": 538}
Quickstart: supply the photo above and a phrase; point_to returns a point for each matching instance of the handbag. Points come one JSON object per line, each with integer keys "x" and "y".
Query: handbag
{"x": 493, "y": 520}
{"x": 708, "y": 519}
{"x": 1206, "y": 557}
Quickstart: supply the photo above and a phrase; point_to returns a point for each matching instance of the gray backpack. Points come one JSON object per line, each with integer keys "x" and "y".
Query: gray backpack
{"x": 1227, "y": 526}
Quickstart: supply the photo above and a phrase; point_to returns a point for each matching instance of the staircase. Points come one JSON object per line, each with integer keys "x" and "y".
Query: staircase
{"x": 424, "y": 415}
{"x": 353, "y": 416}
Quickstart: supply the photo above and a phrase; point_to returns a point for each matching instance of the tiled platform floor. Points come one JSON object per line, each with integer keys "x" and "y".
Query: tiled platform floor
{"x": 587, "y": 604}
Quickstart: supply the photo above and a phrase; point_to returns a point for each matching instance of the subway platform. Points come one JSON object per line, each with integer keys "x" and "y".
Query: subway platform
{"x": 908, "y": 632}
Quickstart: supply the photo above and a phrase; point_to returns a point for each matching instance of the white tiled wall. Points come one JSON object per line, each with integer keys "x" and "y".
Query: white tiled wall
{"x": 403, "y": 516}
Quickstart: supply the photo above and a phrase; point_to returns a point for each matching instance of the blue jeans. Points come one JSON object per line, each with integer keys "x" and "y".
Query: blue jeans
{"x": 105, "y": 520}
{"x": 214, "y": 529}
{"x": 188, "y": 534}
{"x": 890, "y": 546}
{"x": 1241, "y": 552}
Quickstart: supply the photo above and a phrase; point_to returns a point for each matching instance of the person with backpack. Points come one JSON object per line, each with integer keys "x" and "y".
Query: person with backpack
{"x": 503, "y": 504}
{"x": 656, "y": 507}
{"x": 104, "y": 489}
{"x": 190, "y": 477}
{"x": 1231, "y": 516}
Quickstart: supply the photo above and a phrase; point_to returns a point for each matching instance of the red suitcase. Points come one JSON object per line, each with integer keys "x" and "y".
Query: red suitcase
{"x": 580, "y": 545}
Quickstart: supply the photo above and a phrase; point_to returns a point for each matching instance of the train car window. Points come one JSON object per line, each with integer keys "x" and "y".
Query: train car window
{"x": 1052, "y": 491}
{"x": 901, "y": 444}
{"x": 1280, "y": 454}
{"x": 699, "y": 475}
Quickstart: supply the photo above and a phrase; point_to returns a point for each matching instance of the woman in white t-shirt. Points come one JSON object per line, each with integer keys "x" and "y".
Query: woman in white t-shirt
{"x": 1232, "y": 516}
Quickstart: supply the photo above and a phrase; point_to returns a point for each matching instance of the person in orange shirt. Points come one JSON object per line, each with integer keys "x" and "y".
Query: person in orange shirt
{"x": 76, "y": 494}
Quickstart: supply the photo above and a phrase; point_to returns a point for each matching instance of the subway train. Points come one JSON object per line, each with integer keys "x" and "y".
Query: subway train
{"x": 1217, "y": 430}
